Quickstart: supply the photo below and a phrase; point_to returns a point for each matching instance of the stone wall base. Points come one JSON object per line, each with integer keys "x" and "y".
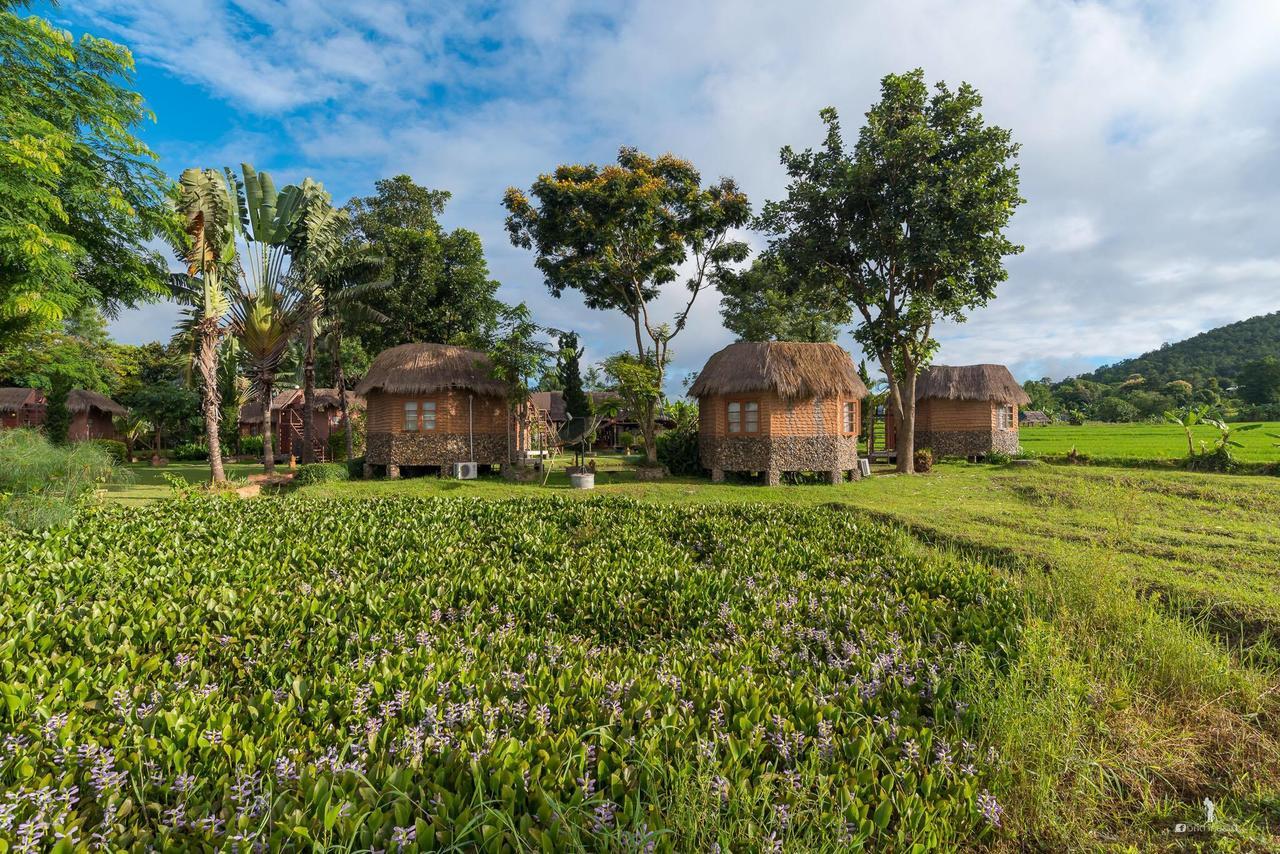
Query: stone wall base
{"x": 433, "y": 449}
{"x": 776, "y": 454}
{"x": 968, "y": 443}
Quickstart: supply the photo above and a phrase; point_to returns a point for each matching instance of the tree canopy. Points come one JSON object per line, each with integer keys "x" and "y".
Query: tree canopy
{"x": 80, "y": 195}
{"x": 767, "y": 302}
{"x": 907, "y": 226}
{"x": 440, "y": 289}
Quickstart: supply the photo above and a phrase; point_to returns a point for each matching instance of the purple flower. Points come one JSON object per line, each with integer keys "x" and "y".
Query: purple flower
{"x": 402, "y": 836}
{"x": 990, "y": 808}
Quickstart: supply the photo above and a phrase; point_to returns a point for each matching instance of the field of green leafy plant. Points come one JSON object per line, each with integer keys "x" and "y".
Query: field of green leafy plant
{"x": 510, "y": 675}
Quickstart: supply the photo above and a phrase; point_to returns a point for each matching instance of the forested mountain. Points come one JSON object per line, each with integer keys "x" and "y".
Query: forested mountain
{"x": 1220, "y": 353}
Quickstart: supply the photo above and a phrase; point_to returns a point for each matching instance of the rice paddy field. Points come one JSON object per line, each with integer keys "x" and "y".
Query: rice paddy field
{"x": 983, "y": 658}
{"x": 1119, "y": 442}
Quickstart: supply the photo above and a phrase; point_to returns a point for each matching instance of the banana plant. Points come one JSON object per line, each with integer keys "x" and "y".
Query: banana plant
{"x": 204, "y": 238}
{"x": 268, "y": 308}
{"x": 1186, "y": 419}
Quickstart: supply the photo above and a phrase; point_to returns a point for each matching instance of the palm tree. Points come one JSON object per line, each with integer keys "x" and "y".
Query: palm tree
{"x": 267, "y": 309}
{"x": 347, "y": 278}
{"x": 206, "y": 242}
{"x": 315, "y": 240}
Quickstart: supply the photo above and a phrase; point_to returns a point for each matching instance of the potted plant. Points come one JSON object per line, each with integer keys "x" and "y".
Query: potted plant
{"x": 583, "y": 477}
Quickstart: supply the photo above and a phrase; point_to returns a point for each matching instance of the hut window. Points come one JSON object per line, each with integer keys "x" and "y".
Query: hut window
{"x": 411, "y": 416}
{"x": 428, "y": 415}
{"x": 419, "y": 415}
{"x": 744, "y": 416}
{"x": 850, "y": 416}
{"x": 1005, "y": 416}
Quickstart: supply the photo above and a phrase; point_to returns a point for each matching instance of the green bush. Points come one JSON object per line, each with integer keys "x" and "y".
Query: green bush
{"x": 43, "y": 485}
{"x": 320, "y": 473}
{"x": 114, "y": 448}
{"x": 998, "y": 458}
{"x": 251, "y": 445}
{"x": 355, "y": 468}
{"x": 627, "y": 440}
{"x": 678, "y": 450}
{"x": 189, "y": 452}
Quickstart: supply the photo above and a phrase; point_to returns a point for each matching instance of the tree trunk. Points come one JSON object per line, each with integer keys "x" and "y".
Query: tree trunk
{"x": 649, "y": 432}
{"x": 265, "y": 381}
{"x": 309, "y": 395}
{"x": 208, "y": 360}
{"x": 340, "y": 383}
{"x": 907, "y": 429}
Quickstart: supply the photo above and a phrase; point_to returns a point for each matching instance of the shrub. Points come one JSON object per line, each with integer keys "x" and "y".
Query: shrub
{"x": 678, "y": 449}
{"x": 320, "y": 473}
{"x": 924, "y": 460}
{"x": 627, "y": 439}
{"x": 42, "y": 485}
{"x": 251, "y": 445}
{"x": 998, "y": 458}
{"x": 114, "y": 449}
{"x": 189, "y": 452}
{"x": 355, "y": 468}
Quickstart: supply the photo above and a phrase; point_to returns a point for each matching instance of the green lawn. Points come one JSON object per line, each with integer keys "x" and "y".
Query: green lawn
{"x": 1143, "y": 441}
{"x": 143, "y": 482}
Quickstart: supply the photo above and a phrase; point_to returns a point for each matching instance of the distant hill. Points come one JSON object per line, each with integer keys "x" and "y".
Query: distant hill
{"x": 1218, "y": 353}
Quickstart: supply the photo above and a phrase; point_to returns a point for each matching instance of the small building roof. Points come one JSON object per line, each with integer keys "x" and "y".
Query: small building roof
{"x": 971, "y": 382}
{"x": 12, "y": 399}
{"x": 1034, "y": 416}
{"x": 791, "y": 369}
{"x": 426, "y": 368}
{"x": 82, "y": 400}
{"x": 325, "y": 398}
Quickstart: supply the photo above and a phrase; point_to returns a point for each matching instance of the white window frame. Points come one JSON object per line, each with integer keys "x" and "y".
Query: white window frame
{"x": 733, "y": 412}
{"x": 1005, "y": 417}
{"x": 409, "y": 418}
{"x": 850, "y": 416}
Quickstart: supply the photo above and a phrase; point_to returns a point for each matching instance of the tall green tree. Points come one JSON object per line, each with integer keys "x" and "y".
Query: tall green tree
{"x": 619, "y": 233}
{"x": 767, "y": 302}
{"x": 908, "y": 226}
{"x": 440, "y": 289}
{"x": 204, "y": 239}
{"x": 1259, "y": 381}
{"x": 80, "y": 195}
{"x": 314, "y": 245}
{"x": 518, "y": 354}
{"x": 569, "y": 372}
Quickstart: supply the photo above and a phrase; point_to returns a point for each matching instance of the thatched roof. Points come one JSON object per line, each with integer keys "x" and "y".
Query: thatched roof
{"x": 971, "y": 382}
{"x": 791, "y": 369}
{"x": 325, "y": 398}
{"x": 13, "y": 399}
{"x": 426, "y": 368}
{"x": 1034, "y": 418}
{"x": 82, "y": 400}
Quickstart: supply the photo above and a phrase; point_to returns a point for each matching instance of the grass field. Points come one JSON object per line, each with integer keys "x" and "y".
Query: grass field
{"x": 142, "y": 483}
{"x": 1144, "y": 441}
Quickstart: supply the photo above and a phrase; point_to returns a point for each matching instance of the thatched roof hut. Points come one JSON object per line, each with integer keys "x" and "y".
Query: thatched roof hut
{"x": 82, "y": 400}
{"x": 779, "y": 406}
{"x": 793, "y": 370}
{"x": 13, "y": 400}
{"x": 971, "y": 382}
{"x": 427, "y": 368}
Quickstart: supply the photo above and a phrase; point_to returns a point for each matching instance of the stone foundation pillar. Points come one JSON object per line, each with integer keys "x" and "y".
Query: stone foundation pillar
{"x": 368, "y": 471}
{"x": 772, "y": 477}
{"x": 717, "y": 475}
{"x": 835, "y": 477}
{"x": 393, "y": 471}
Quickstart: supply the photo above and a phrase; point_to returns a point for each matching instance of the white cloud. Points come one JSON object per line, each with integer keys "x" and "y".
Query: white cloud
{"x": 1148, "y": 129}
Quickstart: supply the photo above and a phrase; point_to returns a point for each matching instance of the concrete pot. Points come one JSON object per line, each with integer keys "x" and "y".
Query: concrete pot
{"x": 583, "y": 480}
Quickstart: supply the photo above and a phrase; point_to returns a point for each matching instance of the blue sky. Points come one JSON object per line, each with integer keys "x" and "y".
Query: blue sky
{"x": 1150, "y": 131}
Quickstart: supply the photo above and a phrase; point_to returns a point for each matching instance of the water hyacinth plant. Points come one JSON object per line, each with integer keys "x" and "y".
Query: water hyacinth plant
{"x": 412, "y": 675}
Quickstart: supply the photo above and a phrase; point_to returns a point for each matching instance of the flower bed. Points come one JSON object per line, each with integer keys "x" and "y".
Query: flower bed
{"x": 419, "y": 674}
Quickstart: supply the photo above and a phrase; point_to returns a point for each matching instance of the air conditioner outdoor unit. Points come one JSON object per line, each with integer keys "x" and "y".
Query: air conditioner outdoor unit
{"x": 464, "y": 471}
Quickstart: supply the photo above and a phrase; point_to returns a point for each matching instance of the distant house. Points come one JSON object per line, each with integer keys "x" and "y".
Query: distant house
{"x": 91, "y": 413}
{"x": 778, "y": 406}
{"x": 1034, "y": 418}
{"x": 551, "y": 405}
{"x": 21, "y": 407}
{"x": 965, "y": 411}
{"x": 288, "y": 410}
{"x": 431, "y": 405}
